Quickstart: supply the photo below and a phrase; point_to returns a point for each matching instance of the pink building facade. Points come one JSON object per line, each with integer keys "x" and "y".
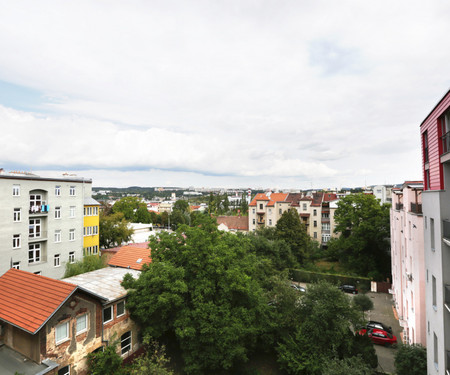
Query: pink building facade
{"x": 408, "y": 261}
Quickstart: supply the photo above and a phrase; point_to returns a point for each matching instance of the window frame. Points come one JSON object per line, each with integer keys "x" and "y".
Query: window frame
{"x": 117, "y": 309}
{"x": 72, "y": 234}
{"x": 72, "y": 210}
{"x": 72, "y": 191}
{"x": 57, "y": 212}
{"x": 57, "y": 190}
{"x": 72, "y": 257}
{"x": 35, "y": 248}
{"x": 66, "y": 370}
{"x": 128, "y": 345}
{"x": 103, "y": 314}
{"x": 17, "y": 215}
{"x": 57, "y": 235}
{"x": 57, "y": 260}
{"x": 66, "y": 337}
{"x": 16, "y": 190}
{"x": 16, "y": 265}
{"x": 17, "y": 241}
{"x": 85, "y": 324}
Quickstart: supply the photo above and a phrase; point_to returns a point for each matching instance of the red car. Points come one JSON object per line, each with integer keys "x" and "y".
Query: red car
{"x": 378, "y": 336}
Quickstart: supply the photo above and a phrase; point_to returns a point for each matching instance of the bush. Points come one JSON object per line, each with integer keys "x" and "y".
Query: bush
{"x": 362, "y": 302}
{"x": 89, "y": 263}
{"x": 300, "y": 275}
{"x": 411, "y": 360}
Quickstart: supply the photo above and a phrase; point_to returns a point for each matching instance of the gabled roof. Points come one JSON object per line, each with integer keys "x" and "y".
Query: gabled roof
{"x": 277, "y": 197}
{"x": 234, "y": 222}
{"x": 294, "y": 199}
{"x": 259, "y": 197}
{"x": 28, "y": 301}
{"x": 89, "y": 201}
{"x": 317, "y": 199}
{"x": 131, "y": 257}
{"x": 327, "y": 197}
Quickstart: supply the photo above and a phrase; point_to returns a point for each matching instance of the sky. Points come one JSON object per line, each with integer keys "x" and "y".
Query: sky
{"x": 225, "y": 93}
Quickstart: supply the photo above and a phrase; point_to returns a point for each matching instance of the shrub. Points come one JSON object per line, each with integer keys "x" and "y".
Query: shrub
{"x": 411, "y": 360}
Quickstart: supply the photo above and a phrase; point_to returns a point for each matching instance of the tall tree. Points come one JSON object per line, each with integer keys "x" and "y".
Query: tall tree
{"x": 113, "y": 230}
{"x": 128, "y": 206}
{"x": 363, "y": 245}
{"x": 290, "y": 229}
{"x": 202, "y": 287}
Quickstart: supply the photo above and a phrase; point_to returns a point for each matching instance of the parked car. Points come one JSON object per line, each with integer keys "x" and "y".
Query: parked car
{"x": 349, "y": 289}
{"x": 379, "y": 336}
{"x": 298, "y": 288}
{"x": 378, "y": 325}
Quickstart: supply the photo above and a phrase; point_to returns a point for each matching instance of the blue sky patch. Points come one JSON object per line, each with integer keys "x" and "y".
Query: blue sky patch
{"x": 20, "y": 97}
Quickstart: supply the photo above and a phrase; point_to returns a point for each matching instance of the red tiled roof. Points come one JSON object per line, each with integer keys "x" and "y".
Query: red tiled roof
{"x": 28, "y": 300}
{"x": 327, "y": 197}
{"x": 259, "y": 197}
{"x": 277, "y": 197}
{"x": 317, "y": 199}
{"x": 234, "y": 222}
{"x": 294, "y": 198}
{"x": 131, "y": 256}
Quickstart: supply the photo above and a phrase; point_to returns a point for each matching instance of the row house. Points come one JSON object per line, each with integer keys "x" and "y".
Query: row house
{"x": 316, "y": 212}
{"x": 46, "y": 222}
{"x": 49, "y": 326}
{"x": 408, "y": 259}
{"x": 435, "y": 139}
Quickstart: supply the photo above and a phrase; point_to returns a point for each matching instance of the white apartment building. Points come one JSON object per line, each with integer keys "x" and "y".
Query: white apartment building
{"x": 41, "y": 221}
{"x": 408, "y": 261}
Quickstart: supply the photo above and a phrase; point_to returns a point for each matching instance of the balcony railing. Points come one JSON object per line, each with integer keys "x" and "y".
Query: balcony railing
{"x": 39, "y": 210}
{"x": 446, "y": 228}
{"x": 37, "y": 236}
{"x": 260, "y": 221}
{"x": 445, "y": 142}
{"x": 399, "y": 206}
{"x": 416, "y": 208}
{"x": 325, "y": 220}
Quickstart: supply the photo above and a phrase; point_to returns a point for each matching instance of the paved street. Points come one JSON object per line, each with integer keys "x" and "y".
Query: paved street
{"x": 383, "y": 312}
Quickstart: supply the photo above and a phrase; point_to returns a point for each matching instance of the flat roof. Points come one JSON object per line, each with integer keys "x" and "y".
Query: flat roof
{"x": 105, "y": 282}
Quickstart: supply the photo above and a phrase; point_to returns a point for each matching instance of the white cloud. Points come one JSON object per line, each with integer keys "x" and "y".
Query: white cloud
{"x": 279, "y": 92}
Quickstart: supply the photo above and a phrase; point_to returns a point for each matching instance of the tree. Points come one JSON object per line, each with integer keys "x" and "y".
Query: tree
{"x": 142, "y": 215}
{"x": 411, "y": 360}
{"x": 114, "y": 230}
{"x": 327, "y": 320}
{"x": 153, "y": 362}
{"x": 348, "y": 366}
{"x": 225, "y": 203}
{"x": 105, "y": 362}
{"x": 363, "y": 302}
{"x": 212, "y": 205}
{"x": 128, "y": 206}
{"x": 363, "y": 245}
{"x": 290, "y": 229}
{"x": 87, "y": 264}
{"x": 244, "y": 206}
{"x": 181, "y": 205}
{"x": 203, "y": 287}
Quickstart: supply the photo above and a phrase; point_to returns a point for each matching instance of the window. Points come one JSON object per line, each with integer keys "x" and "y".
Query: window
{"x": 95, "y": 211}
{"x": 425, "y": 146}
{"x": 315, "y": 212}
{"x": 125, "y": 342}
{"x": 253, "y": 210}
{"x": 254, "y": 221}
{"x": 435, "y": 349}
{"x": 57, "y": 212}
{"x": 432, "y": 234}
{"x": 315, "y": 234}
{"x": 38, "y": 273}
{"x": 17, "y": 214}
{"x": 315, "y": 223}
{"x": 16, "y": 190}
{"x": 34, "y": 253}
{"x": 72, "y": 235}
{"x": 36, "y": 202}
{"x": 64, "y": 370}
{"x": 261, "y": 206}
{"x": 120, "y": 308}
{"x": 95, "y": 249}
{"x": 72, "y": 211}
{"x": 34, "y": 228}
{"x": 72, "y": 257}
{"x": 16, "y": 241}
{"x": 58, "y": 190}
{"x": 72, "y": 191}
{"x": 325, "y": 215}
{"x": 280, "y": 211}
{"x": 81, "y": 324}
{"x": 95, "y": 229}
{"x": 56, "y": 260}
{"x": 107, "y": 314}
{"x": 58, "y": 235}
{"x": 304, "y": 207}
{"x": 16, "y": 265}
{"x": 62, "y": 332}
{"x": 433, "y": 286}
{"x": 325, "y": 226}
{"x": 325, "y": 238}
{"x": 270, "y": 221}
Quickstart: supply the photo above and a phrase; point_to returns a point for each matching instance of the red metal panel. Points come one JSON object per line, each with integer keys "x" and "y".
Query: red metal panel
{"x": 432, "y": 125}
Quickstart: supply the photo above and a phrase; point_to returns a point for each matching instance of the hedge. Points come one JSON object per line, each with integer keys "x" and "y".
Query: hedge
{"x": 304, "y": 276}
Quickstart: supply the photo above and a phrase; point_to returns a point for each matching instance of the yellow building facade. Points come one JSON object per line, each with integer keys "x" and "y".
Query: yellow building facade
{"x": 91, "y": 222}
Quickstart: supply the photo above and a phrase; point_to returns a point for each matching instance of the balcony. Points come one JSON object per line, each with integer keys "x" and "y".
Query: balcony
{"x": 260, "y": 221}
{"x": 446, "y": 230}
{"x": 325, "y": 220}
{"x": 416, "y": 208}
{"x": 447, "y": 297}
{"x": 38, "y": 210}
{"x": 399, "y": 206}
{"x": 36, "y": 236}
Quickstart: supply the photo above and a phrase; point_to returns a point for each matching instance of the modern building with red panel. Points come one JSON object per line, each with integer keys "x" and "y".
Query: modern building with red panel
{"x": 435, "y": 138}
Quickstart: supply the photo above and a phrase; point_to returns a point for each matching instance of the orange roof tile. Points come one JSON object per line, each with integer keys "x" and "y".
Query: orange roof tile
{"x": 277, "y": 197}
{"x": 234, "y": 222}
{"x": 131, "y": 256}
{"x": 259, "y": 197}
{"x": 28, "y": 300}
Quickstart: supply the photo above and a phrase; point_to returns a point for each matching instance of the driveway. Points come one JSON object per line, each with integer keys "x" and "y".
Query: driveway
{"x": 383, "y": 312}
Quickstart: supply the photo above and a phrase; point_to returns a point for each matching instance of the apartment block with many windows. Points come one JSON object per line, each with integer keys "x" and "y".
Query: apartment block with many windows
{"x": 408, "y": 261}
{"x": 42, "y": 221}
{"x": 435, "y": 139}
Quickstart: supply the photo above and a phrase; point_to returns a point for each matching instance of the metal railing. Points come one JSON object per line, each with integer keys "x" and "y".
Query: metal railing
{"x": 399, "y": 206}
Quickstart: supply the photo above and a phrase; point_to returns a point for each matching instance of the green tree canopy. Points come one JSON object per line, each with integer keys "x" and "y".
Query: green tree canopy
{"x": 411, "y": 360}
{"x": 128, "y": 206}
{"x": 114, "y": 230}
{"x": 290, "y": 229}
{"x": 203, "y": 287}
{"x": 363, "y": 245}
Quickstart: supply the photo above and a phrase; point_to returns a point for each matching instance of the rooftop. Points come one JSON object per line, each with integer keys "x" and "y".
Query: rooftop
{"x": 28, "y": 301}
{"x": 131, "y": 257}
{"x": 105, "y": 282}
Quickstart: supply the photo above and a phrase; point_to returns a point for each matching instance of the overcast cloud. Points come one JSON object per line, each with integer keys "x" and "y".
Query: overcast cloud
{"x": 281, "y": 94}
